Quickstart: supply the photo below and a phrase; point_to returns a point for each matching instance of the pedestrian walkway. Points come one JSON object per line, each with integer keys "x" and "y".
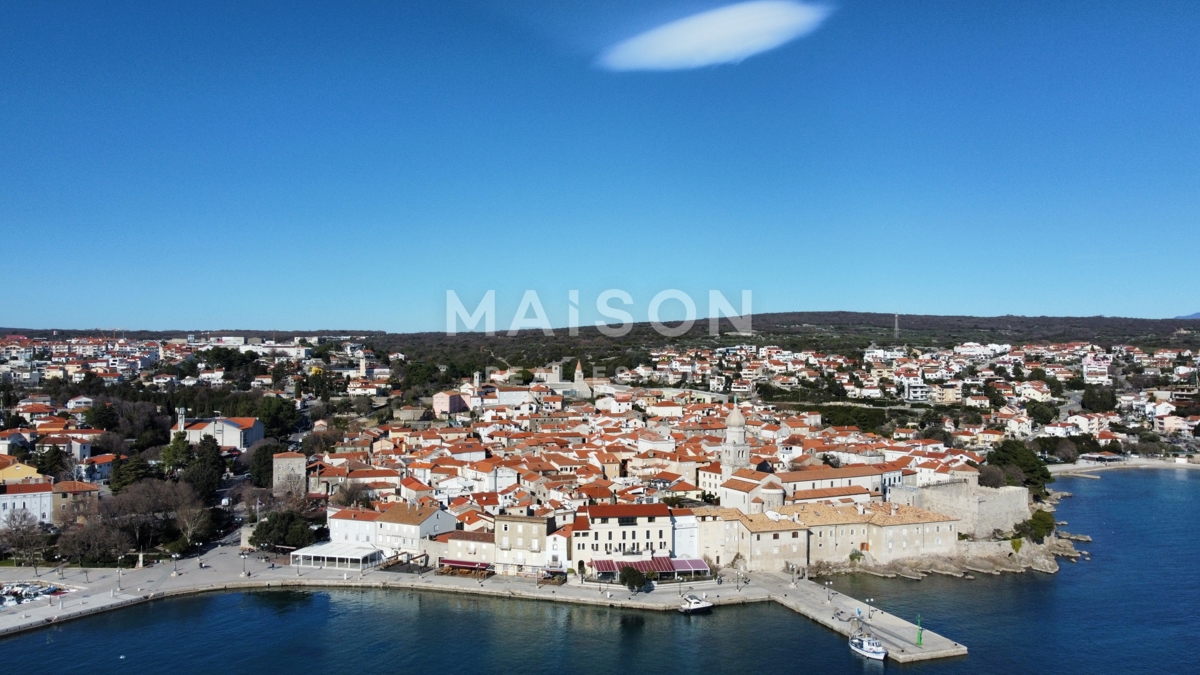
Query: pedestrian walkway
{"x": 97, "y": 590}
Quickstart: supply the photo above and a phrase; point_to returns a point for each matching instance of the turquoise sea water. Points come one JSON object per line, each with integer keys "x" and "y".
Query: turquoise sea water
{"x": 1132, "y": 609}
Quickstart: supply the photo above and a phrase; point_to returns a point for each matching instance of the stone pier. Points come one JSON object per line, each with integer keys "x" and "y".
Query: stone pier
{"x": 99, "y": 590}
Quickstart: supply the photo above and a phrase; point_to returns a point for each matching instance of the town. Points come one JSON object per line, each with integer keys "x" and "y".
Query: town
{"x": 686, "y": 465}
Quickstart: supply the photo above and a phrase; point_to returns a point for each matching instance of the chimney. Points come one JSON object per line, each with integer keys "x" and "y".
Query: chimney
{"x": 895, "y": 507}
{"x": 861, "y": 509}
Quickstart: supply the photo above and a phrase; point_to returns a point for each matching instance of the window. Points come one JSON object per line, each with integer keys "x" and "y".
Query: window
{"x": 650, "y": 519}
{"x": 626, "y": 521}
{"x": 758, "y": 537}
{"x": 660, "y": 536}
{"x": 505, "y": 527}
{"x": 775, "y": 536}
{"x": 795, "y": 535}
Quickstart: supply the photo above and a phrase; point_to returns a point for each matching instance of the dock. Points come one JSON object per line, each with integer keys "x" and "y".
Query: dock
{"x": 99, "y": 590}
{"x": 837, "y": 611}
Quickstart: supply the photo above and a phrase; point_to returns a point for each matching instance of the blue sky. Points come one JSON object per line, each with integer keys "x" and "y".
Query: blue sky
{"x": 305, "y": 165}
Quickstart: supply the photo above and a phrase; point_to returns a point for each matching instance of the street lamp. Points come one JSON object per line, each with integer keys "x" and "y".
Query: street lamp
{"x": 174, "y": 564}
{"x": 870, "y": 608}
{"x": 244, "y": 556}
{"x": 828, "y": 591}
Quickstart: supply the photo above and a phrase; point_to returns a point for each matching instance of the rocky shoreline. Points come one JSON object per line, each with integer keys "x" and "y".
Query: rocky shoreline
{"x": 999, "y": 556}
{"x": 989, "y": 557}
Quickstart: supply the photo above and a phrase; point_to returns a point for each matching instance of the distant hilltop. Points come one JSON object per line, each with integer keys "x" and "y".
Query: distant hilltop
{"x": 828, "y": 329}
{"x": 1190, "y": 316}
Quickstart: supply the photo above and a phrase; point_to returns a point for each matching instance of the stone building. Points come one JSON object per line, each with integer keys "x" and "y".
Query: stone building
{"x": 521, "y": 543}
{"x": 752, "y": 542}
{"x": 881, "y": 532}
{"x": 288, "y": 474}
{"x": 981, "y": 510}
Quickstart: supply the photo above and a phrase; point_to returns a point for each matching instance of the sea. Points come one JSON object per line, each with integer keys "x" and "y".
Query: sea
{"x": 1132, "y": 608}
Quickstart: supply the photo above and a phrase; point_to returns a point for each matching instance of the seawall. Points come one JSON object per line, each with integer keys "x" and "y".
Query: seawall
{"x": 830, "y": 609}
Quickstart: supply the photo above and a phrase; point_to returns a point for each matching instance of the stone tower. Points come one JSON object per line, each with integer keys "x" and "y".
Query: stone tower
{"x": 289, "y": 474}
{"x": 735, "y": 454}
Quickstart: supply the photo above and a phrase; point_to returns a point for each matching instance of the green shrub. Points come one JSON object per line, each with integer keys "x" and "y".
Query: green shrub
{"x": 632, "y": 579}
{"x": 1016, "y": 544}
{"x": 1036, "y": 528}
{"x": 282, "y": 528}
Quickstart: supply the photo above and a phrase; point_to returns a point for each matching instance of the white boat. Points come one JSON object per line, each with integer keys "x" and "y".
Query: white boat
{"x": 694, "y": 605}
{"x": 864, "y": 643}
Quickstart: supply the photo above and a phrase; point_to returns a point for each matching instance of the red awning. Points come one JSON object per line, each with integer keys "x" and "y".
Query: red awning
{"x": 464, "y": 564}
{"x": 656, "y": 564}
{"x": 689, "y": 565}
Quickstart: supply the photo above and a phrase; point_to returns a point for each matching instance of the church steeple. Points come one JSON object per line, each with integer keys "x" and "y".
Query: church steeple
{"x": 735, "y": 428}
{"x": 735, "y": 454}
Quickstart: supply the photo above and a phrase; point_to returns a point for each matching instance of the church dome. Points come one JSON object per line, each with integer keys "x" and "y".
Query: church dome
{"x": 735, "y": 419}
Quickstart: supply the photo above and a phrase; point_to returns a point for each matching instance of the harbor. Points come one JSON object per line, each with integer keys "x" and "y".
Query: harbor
{"x": 92, "y": 591}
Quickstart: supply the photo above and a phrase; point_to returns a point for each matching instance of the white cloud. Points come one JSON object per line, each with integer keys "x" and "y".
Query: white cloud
{"x": 727, "y": 34}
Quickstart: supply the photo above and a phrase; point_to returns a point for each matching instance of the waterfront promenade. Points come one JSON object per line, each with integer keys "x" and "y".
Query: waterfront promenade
{"x": 1085, "y": 467}
{"x": 98, "y": 590}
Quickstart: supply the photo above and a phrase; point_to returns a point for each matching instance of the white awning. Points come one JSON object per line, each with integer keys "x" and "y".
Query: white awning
{"x": 337, "y": 555}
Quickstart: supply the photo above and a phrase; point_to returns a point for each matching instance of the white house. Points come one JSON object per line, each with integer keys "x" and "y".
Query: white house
{"x": 230, "y": 432}
{"x": 353, "y": 525}
{"x": 36, "y": 498}
{"x": 79, "y": 402}
{"x": 403, "y": 528}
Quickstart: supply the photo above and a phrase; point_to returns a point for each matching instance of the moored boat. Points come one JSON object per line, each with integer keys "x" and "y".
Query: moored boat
{"x": 862, "y": 642}
{"x": 694, "y": 605}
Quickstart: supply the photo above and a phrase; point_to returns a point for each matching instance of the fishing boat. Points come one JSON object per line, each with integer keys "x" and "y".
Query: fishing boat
{"x": 865, "y": 644}
{"x": 694, "y": 605}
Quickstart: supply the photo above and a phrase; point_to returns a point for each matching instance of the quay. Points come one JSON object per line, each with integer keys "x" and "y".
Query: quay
{"x": 99, "y": 590}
